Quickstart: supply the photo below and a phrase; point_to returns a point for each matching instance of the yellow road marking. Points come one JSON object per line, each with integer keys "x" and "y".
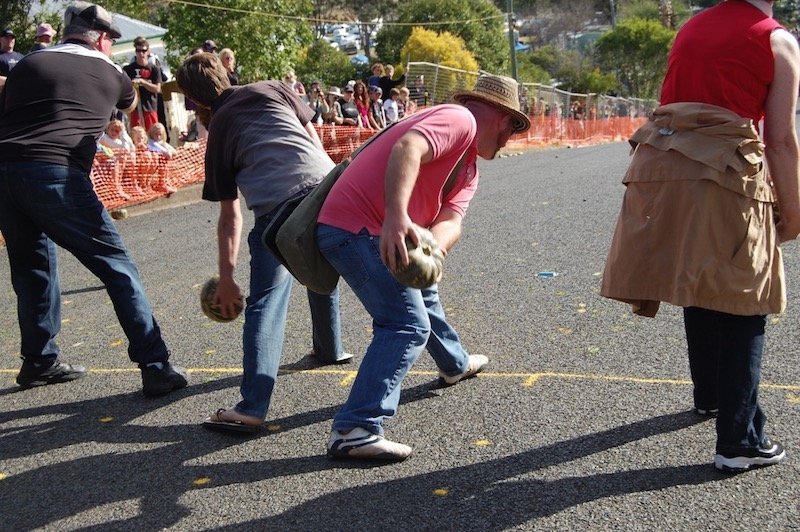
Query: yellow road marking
{"x": 528, "y": 379}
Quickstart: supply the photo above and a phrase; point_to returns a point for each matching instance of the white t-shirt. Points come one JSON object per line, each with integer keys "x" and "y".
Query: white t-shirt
{"x": 390, "y": 110}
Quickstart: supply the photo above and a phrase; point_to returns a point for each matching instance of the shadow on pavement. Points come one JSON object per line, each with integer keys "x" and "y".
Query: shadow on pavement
{"x": 159, "y": 476}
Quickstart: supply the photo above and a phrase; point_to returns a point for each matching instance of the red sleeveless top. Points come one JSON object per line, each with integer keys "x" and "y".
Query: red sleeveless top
{"x": 722, "y": 56}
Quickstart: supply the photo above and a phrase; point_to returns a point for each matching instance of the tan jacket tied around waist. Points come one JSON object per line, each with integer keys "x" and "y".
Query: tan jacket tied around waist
{"x": 696, "y": 226}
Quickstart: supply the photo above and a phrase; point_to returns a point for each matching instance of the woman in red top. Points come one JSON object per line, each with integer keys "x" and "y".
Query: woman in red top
{"x": 697, "y": 226}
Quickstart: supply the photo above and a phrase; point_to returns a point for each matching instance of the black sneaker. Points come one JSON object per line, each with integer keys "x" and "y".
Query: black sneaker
{"x": 157, "y": 382}
{"x": 31, "y": 374}
{"x": 768, "y": 453}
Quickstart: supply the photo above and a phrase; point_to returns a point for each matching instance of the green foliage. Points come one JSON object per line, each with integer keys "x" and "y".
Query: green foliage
{"x": 636, "y": 51}
{"x": 529, "y": 72}
{"x": 320, "y": 61}
{"x": 482, "y": 30}
{"x": 449, "y": 51}
{"x": 569, "y": 68}
{"x": 788, "y": 13}
{"x": 265, "y": 45}
{"x": 146, "y": 11}
{"x": 16, "y": 14}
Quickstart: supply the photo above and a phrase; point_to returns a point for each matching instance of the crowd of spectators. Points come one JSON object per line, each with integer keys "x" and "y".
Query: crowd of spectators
{"x": 372, "y": 104}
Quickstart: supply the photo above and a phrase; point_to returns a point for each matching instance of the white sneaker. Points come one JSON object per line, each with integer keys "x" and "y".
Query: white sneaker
{"x": 360, "y": 443}
{"x": 475, "y": 366}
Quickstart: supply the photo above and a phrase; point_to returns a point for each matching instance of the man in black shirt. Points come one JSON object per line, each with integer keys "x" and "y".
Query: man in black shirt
{"x": 46, "y": 198}
{"x": 146, "y": 78}
{"x": 8, "y": 57}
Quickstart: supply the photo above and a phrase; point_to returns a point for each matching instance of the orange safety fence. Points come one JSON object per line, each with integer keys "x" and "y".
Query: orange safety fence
{"x": 130, "y": 179}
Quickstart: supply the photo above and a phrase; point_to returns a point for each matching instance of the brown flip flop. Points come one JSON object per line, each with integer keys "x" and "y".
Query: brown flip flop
{"x": 229, "y": 426}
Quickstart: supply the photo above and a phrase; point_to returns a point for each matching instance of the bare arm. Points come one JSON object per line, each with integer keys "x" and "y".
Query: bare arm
{"x": 446, "y": 229}
{"x": 149, "y": 86}
{"x": 408, "y": 153}
{"x": 229, "y": 230}
{"x": 312, "y": 132}
{"x": 780, "y": 136}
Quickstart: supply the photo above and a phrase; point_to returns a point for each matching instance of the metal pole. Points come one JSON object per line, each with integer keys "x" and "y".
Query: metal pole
{"x": 511, "y": 40}
{"x": 613, "y": 13}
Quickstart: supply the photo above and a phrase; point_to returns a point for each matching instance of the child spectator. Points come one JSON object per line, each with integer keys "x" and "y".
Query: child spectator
{"x": 158, "y": 140}
{"x": 390, "y": 107}
{"x": 116, "y": 138}
{"x": 405, "y": 105}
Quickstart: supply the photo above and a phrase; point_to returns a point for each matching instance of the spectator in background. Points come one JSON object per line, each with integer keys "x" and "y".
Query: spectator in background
{"x": 116, "y": 138}
{"x": 54, "y": 101}
{"x": 146, "y": 79}
{"x": 157, "y": 143}
{"x": 8, "y": 57}
{"x": 405, "y": 105}
{"x": 334, "y": 115}
{"x": 377, "y": 118}
{"x": 317, "y": 102}
{"x": 209, "y": 46}
{"x": 351, "y": 116}
{"x": 157, "y": 140}
{"x": 386, "y": 83}
{"x": 361, "y": 97}
{"x": 377, "y": 74}
{"x": 229, "y": 62}
{"x": 44, "y": 37}
{"x": 290, "y": 78}
{"x": 146, "y": 161}
{"x": 391, "y": 110}
{"x": 418, "y": 92}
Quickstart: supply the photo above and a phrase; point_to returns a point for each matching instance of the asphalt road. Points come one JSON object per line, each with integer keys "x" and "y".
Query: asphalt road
{"x": 581, "y": 421}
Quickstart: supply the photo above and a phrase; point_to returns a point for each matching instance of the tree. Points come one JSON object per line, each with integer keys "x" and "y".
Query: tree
{"x": 636, "y": 51}
{"x": 788, "y": 13}
{"x": 146, "y": 11}
{"x": 267, "y": 35}
{"x": 443, "y": 48}
{"x": 320, "y": 61}
{"x": 477, "y": 22}
{"x": 16, "y": 14}
{"x": 447, "y": 50}
{"x": 570, "y": 71}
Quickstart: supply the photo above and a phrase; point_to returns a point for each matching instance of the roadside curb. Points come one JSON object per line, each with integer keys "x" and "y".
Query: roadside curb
{"x": 183, "y": 196}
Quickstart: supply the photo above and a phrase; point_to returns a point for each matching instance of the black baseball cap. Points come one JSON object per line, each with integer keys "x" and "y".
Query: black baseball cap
{"x": 8, "y": 32}
{"x": 82, "y": 16}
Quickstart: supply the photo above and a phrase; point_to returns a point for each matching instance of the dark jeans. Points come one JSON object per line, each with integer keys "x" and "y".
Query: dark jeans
{"x": 45, "y": 204}
{"x": 725, "y": 361}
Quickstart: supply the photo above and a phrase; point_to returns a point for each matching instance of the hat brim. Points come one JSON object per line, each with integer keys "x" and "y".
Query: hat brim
{"x": 521, "y": 121}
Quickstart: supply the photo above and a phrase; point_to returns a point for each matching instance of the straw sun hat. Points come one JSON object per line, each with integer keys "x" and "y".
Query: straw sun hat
{"x": 501, "y": 92}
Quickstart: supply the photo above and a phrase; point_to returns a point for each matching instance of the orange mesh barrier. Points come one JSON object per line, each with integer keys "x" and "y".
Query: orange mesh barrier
{"x": 132, "y": 178}
{"x": 554, "y": 130}
{"x": 125, "y": 180}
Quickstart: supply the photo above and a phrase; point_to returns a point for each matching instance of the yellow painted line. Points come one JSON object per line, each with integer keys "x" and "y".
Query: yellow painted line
{"x": 528, "y": 379}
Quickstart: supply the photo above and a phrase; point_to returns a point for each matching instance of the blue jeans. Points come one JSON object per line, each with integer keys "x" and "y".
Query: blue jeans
{"x": 405, "y": 321}
{"x": 42, "y": 205}
{"x": 265, "y": 323}
{"x": 725, "y": 361}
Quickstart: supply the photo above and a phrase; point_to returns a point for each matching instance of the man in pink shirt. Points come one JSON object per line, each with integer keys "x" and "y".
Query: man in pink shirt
{"x": 421, "y": 171}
